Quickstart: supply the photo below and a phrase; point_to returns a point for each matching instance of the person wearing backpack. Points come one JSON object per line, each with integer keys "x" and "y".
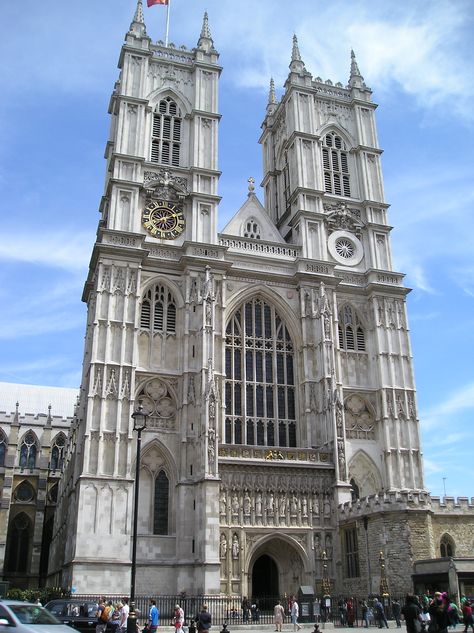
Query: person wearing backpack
{"x": 115, "y": 618}
{"x": 100, "y": 626}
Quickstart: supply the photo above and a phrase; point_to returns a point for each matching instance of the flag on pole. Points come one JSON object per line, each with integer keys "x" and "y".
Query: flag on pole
{"x": 150, "y": 3}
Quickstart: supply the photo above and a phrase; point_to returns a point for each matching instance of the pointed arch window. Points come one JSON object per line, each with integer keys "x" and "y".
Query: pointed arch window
{"x": 351, "y": 334}
{"x": 24, "y": 492}
{"x": 28, "y": 451}
{"x": 57, "y": 452}
{"x": 161, "y": 504}
{"x": 18, "y": 544}
{"x": 158, "y": 311}
{"x": 3, "y": 448}
{"x": 260, "y": 381}
{"x": 166, "y": 135}
{"x": 446, "y": 546}
{"x": 336, "y": 165}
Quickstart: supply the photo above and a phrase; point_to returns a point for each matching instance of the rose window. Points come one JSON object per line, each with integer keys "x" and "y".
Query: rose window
{"x": 344, "y": 248}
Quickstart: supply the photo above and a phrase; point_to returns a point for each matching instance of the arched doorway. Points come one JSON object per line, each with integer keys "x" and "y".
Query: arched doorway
{"x": 265, "y": 583}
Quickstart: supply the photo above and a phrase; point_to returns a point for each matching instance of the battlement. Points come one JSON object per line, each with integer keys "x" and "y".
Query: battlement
{"x": 402, "y": 500}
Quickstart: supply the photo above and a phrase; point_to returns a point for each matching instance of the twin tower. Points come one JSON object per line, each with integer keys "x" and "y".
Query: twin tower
{"x": 273, "y": 358}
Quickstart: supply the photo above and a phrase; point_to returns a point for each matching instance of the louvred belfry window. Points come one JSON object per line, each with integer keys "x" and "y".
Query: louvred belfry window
{"x": 336, "y": 165}
{"x": 166, "y": 135}
{"x": 158, "y": 310}
{"x": 350, "y": 331}
{"x": 260, "y": 381}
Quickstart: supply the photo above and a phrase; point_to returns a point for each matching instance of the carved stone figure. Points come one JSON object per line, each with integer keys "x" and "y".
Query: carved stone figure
{"x": 223, "y": 503}
{"x": 246, "y": 504}
{"x": 235, "y": 546}
{"x": 223, "y": 546}
{"x": 235, "y": 504}
{"x": 258, "y": 504}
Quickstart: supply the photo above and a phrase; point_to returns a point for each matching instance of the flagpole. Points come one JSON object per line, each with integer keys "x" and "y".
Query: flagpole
{"x": 167, "y": 23}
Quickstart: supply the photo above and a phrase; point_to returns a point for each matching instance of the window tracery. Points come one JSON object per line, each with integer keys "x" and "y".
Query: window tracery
{"x": 3, "y": 447}
{"x": 158, "y": 310}
{"x": 351, "y": 333}
{"x": 336, "y": 165}
{"x": 161, "y": 503}
{"x": 58, "y": 452}
{"x": 166, "y": 134}
{"x": 446, "y": 546}
{"x": 260, "y": 381}
{"x": 28, "y": 451}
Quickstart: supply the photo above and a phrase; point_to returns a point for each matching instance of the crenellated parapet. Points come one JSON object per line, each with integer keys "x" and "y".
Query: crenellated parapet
{"x": 405, "y": 500}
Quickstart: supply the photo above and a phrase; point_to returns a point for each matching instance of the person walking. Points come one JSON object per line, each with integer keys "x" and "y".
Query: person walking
{"x": 438, "y": 611}
{"x": 295, "y": 612}
{"x": 396, "y": 610}
{"x": 153, "y": 617}
{"x": 203, "y": 620}
{"x": 365, "y": 613}
{"x": 467, "y": 615}
{"x": 412, "y": 613}
{"x": 178, "y": 619}
{"x": 278, "y": 615}
{"x": 124, "y": 615}
{"x": 245, "y": 606}
{"x": 380, "y": 613}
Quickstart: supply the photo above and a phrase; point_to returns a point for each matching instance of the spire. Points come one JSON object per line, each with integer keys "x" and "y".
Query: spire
{"x": 16, "y": 418}
{"x": 272, "y": 100}
{"x": 205, "y": 39}
{"x": 355, "y": 80}
{"x": 137, "y": 27}
{"x": 138, "y": 17}
{"x": 296, "y": 64}
{"x": 49, "y": 418}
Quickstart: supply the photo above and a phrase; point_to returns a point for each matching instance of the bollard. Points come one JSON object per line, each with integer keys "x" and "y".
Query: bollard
{"x": 132, "y": 619}
{"x": 192, "y": 627}
{"x": 224, "y": 628}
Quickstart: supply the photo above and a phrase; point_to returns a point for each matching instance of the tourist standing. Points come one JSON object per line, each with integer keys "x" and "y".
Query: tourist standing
{"x": 365, "y": 613}
{"x": 380, "y": 613}
{"x": 153, "y": 616}
{"x": 203, "y": 620}
{"x": 438, "y": 611}
{"x": 411, "y": 612}
{"x": 178, "y": 619}
{"x": 278, "y": 615}
{"x": 245, "y": 606}
{"x": 124, "y": 618}
{"x": 467, "y": 615}
{"x": 295, "y": 612}
{"x": 396, "y": 610}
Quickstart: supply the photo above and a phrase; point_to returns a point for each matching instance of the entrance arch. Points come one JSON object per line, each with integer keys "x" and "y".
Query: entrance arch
{"x": 265, "y": 581}
{"x": 277, "y": 565}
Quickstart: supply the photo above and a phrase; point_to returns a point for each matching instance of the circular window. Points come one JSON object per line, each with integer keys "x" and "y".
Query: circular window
{"x": 345, "y": 248}
{"x": 24, "y": 492}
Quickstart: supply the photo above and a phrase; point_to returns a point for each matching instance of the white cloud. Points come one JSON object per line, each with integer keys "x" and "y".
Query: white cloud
{"x": 57, "y": 250}
{"x": 458, "y": 402}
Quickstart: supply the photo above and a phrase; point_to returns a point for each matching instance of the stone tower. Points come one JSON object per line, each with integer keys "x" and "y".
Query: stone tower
{"x": 273, "y": 359}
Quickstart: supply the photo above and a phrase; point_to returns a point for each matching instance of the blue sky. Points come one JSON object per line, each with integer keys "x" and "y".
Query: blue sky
{"x": 58, "y": 69}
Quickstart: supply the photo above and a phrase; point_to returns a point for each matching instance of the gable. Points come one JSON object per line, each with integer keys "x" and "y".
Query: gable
{"x": 252, "y": 221}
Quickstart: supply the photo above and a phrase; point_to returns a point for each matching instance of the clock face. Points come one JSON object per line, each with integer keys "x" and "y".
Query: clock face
{"x": 163, "y": 219}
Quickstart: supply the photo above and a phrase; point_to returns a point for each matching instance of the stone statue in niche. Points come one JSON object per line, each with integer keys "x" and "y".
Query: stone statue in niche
{"x": 235, "y": 547}
{"x": 304, "y": 507}
{"x": 222, "y": 503}
{"x": 246, "y": 503}
{"x": 294, "y": 505}
{"x": 258, "y": 504}
{"x": 223, "y": 546}
{"x": 283, "y": 505}
{"x": 235, "y": 504}
{"x": 270, "y": 503}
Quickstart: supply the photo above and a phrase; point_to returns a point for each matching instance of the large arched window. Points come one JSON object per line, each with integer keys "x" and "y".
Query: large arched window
{"x": 350, "y": 330}
{"x": 3, "y": 448}
{"x": 336, "y": 165}
{"x": 259, "y": 390}
{"x": 166, "y": 136}
{"x": 28, "y": 451}
{"x": 57, "y": 452}
{"x": 161, "y": 504}
{"x": 446, "y": 546}
{"x": 158, "y": 310}
{"x": 18, "y": 544}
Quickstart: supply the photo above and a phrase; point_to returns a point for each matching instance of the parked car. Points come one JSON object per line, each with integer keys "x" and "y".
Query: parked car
{"x": 24, "y": 617}
{"x": 78, "y": 614}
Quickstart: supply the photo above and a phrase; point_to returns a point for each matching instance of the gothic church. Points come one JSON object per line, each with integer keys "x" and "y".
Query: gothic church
{"x": 272, "y": 359}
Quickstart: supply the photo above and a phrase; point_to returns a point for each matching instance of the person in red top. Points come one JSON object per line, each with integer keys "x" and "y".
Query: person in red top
{"x": 467, "y": 615}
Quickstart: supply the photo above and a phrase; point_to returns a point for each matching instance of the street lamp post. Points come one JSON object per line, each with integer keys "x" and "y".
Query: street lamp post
{"x": 139, "y": 425}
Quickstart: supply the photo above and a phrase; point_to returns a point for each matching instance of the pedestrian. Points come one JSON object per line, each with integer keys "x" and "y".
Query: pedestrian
{"x": 124, "y": 614}
{"x": 178, "y": 619}
{"x": 453, "y": 614}
{"x": 100, "y": 626}
{"x": 380, "y": 613}
{"x": 412, "y": 614}
{"x": 295, "y": 612}
{"x": 245, "y": 606}
{"x": 438, "y": 611}
{"x": 342, "y": 604}
{"x": 350, "y": 613}
{"x": 396, "y": 610}
{"x": 203, "y": 620}
{"x": 467, "y": 615}
{"x": 278, "y": 615}
{"x": 153, "y": 617}
{"x": 255, "y": 611}
{"x": 115, "y": 618}
{"x": 365, "y": 613}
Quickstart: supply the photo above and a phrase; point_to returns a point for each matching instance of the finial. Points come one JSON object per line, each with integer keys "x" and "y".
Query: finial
{"x": 16, "y": 418}
{"x": 355, "y": 80}
{"x": 49, "y": 418}
{"x": 296, "y": 64}
{"x": 251, "y": 182}
{"x": 295, "y": 53}
{"x": 138, "y": 17}
{"x": 272, "y": 95}
{"x": 205, "y": 31}
{"x": 205, "y": 39}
